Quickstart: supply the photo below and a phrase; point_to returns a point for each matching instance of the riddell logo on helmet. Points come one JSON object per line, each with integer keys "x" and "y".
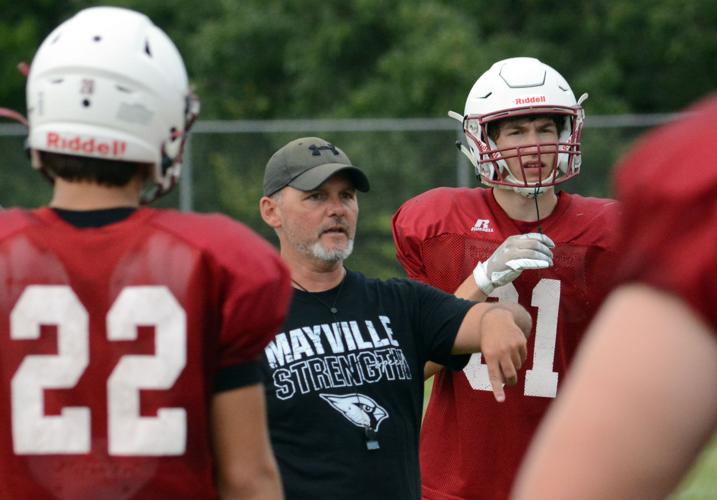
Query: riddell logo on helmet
{"x": 530, "y": 100}
{"x": 115, "y": 149}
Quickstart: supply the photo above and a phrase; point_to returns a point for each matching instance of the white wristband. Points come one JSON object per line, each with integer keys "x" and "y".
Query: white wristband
{"x": 480, "y": 275}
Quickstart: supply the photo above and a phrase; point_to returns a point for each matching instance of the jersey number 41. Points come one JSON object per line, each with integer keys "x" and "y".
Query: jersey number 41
{"x": 540, "y": 379}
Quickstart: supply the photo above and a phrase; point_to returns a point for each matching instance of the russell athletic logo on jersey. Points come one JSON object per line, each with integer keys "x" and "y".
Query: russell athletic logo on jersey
{"x": 339, "y": 354}
{"x": 110, "y": 149}
{"x": 482, "y": 225}
{"x": 360, "y": 410}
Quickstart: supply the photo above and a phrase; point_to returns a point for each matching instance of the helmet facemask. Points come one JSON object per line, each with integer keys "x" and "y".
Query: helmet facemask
{"x": 169, "y": 169}
{"x": 491, "y": 161}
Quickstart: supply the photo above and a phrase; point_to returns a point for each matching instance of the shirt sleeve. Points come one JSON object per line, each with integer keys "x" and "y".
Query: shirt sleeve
{"x": 670, "y": 244}
{"x": 668, "y": 186}
{"x": 439, "y": 317}
{"x": 236, "y": 376}
{"x": 256, "y": 297}
{"x": 408, "y": 246}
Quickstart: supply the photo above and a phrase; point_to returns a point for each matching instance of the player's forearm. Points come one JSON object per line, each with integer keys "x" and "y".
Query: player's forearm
{"x": 254, "y": 483}
{"x": 469, "y": 290}
{"x": 618, "y": 429}
{"x": 246, "y": 468}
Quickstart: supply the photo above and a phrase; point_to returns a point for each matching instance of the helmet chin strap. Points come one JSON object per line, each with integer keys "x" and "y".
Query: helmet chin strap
{"x": 530, "y": 193}
{"x": 537, "y": 210}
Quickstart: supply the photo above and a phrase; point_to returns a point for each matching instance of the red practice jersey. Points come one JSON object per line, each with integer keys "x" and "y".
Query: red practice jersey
{"x": 471, "y": 446}
{"x": 111, "y": 341}
{"x": 669, "y": 231}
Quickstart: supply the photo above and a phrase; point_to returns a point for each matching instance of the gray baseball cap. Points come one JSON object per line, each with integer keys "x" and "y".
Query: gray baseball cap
{"x": 306, "y": 163}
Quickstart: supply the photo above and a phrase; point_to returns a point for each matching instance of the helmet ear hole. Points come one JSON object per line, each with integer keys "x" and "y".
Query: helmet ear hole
{"x": 147, "y": 50}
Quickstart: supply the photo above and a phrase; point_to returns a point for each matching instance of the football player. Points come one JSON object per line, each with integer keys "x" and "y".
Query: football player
{"x": 641, "y": 402}
{"x": 518, "y": 240}
{"x": 129, "y": 336}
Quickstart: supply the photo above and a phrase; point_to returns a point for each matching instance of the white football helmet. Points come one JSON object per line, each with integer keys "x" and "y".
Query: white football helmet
{"x": 107, "y": 83}
{"x": 512, "y": 88}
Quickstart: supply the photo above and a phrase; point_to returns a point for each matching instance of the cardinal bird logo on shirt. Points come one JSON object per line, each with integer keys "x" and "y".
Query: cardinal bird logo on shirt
{"x": 360, "y": 410}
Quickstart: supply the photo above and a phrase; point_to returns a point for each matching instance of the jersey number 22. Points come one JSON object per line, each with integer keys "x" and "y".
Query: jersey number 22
{"x": 129, "y": 433}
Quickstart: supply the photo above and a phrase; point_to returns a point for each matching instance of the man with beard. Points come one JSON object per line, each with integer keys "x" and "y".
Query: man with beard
{"x": 344, "y": 376}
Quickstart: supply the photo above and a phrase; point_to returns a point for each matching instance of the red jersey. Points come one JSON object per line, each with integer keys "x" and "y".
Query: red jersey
{"x": 669, "y": 230}
{"x": 471, "y": 446}
{"x": 111, "y": 342}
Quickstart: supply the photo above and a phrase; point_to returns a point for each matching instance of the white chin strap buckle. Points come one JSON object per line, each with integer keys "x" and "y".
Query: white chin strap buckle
{"x": 530, "y": 192}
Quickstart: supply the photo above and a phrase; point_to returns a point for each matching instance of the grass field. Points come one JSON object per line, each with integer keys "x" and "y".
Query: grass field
{"x": 700, "y": 483}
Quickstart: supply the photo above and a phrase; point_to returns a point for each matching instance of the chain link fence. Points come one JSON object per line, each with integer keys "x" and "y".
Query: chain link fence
{"x": 224, "y": 164}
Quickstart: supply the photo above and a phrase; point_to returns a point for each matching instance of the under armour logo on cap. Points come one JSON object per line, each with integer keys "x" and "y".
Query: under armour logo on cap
{"x": 303, "y": 165}
{"x": 316, "y": 150}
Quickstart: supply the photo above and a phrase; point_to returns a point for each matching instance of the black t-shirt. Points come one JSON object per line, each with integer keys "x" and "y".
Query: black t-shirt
{"x": 339, "y": 385}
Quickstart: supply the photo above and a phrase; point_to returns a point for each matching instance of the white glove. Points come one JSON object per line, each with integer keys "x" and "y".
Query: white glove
{"x": 512, "y": 257}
